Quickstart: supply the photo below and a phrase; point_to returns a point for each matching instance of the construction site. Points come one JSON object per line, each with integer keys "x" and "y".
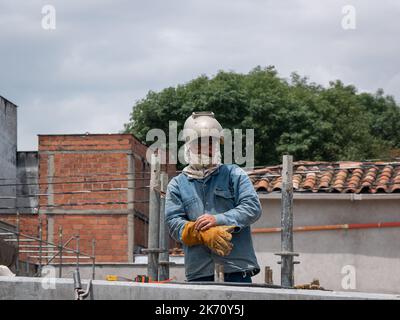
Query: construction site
{"x": 83, "y": 217}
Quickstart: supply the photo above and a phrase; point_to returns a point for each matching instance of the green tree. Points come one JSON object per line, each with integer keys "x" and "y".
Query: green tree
{"x": 289, "y": 116}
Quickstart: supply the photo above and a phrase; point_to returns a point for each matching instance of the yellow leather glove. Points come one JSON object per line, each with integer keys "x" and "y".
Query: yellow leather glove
{"x": 216, "y": 238}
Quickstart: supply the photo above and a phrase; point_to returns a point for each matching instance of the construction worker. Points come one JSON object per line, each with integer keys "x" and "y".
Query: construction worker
{"x": 210, "y": 207}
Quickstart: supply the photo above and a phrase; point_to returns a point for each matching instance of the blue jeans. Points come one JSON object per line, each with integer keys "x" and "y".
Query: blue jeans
{"x": 229, "y": 277}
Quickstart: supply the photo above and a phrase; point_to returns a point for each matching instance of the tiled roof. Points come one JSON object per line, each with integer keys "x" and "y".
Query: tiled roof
{"x": 339, "y": 177}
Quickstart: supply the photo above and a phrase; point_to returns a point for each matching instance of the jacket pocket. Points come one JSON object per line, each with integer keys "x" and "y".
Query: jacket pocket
{"x": 191, "y": 207}
{"x": 224, "y": 199}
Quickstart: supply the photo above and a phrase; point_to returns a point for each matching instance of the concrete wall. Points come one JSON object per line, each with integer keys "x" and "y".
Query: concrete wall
{"x": 27, "y": 176}
{"x": 372, "y": 253}
{"x": 125, "y": 270}
{"x": 17, "y": 288}
{"x": 8, "y": 152}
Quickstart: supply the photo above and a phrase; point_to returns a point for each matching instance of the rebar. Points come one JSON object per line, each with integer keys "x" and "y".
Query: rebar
{"x": 60, "y": 236}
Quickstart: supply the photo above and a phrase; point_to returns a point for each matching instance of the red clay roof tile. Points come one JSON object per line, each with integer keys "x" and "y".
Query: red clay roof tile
{"x": 342, "y": 176}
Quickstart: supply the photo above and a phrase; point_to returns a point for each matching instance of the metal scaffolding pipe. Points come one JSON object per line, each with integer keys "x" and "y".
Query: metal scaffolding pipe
{"x": 40, "y": 247}
{"x": 163, "y": 269}
{"x": 64, "y": 257}
{"x": 154, "y": 219}
{"x": 93, "y": 258}
{"x": 18, "y": 226}
{"x": 287, "y": 254}
{"x": 37, "y": 251}
{"x": 60, "y": 249}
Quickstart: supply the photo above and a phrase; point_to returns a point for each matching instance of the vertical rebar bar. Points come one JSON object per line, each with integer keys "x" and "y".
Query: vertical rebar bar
{"x": 93, "y": 258}
{"x": 163, "y": 270}
{"x": 60, "y": 246}
{"x": 40, "y": 246}
{"x": 287, "y": 267}
{"x": 77, "y": 251}
{"x": 154, "y": 218}
{"x": 17, "y": 253}
{"x": 27, "y": 266}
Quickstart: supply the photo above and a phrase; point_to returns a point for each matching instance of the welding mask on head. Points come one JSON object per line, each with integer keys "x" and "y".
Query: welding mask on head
{"x": 203, "y": 135}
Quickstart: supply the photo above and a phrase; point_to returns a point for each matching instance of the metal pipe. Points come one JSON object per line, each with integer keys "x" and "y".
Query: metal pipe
{"x": 64, "y": 257}
{"x": 17, "y": 233}
{"x": 154, "y": 219}
{"x": 36, "y": 246}
{"x": 93, "y": 258}
{"x": 347, "y": 226}
{"x": 77, "y": 251}
{"x": 60, "y": 235}
{"x": 20, "y": 240}
{"x": 48, "y": 244}
{"x": 65, "y": 249}
{"x": 35, "y": 239}
{"x": 27, "y": 266}
{"x": 44, "y": 244}
{"x": 37, "y": 251}
{"x": 163, "y": 269}
{"x": 40, "y": 247}
{"x": 287, "y": 267}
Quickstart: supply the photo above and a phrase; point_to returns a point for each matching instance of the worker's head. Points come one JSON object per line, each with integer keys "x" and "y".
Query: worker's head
{"x": 204, "y": 145}
{"x": 202, "y": 133}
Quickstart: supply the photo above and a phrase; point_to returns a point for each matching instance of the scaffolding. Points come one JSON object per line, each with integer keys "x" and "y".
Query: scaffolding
{"x": 43, "y": 253}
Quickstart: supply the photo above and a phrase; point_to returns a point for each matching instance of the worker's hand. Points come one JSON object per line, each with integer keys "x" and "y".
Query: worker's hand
{"x": 205, "y": 222}
{"x": 216, "y": 238}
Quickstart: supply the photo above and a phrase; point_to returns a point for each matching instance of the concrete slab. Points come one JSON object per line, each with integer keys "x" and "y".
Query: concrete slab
{"x": 16, "y": 288}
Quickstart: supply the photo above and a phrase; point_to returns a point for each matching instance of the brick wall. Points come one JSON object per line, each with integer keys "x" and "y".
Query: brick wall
{"x": 78, "y": 176}
{"x": 29, "y": 225}
{"x": 97, "y": 164}
{"x": 109, "y": 232}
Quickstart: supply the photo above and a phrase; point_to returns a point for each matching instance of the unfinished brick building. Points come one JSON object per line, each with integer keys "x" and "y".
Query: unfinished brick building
{"x": 94, "y": 185}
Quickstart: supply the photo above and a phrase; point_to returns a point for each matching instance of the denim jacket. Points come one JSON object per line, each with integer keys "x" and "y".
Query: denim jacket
{"x": 229, "y": 195}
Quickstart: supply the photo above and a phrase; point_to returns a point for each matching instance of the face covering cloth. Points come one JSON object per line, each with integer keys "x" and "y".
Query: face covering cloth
{"x": 201, "y": 165}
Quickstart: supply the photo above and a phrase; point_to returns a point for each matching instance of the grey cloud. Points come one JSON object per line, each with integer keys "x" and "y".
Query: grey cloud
{"x": 103, "y": 56}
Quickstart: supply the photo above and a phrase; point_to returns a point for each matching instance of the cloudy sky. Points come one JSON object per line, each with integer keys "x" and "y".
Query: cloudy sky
{"x": 85, "y": 75}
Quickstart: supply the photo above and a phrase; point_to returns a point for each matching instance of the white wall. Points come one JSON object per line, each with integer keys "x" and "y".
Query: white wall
{"x": 374, "y": 253}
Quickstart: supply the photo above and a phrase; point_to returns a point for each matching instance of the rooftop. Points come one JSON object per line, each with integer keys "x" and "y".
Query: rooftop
{"x": 332, "y": 177}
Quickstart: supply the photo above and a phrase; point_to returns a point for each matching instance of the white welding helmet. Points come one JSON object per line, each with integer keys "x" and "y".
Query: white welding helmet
{"x": 198, "y": 130}
{"x": 201, "y": 125}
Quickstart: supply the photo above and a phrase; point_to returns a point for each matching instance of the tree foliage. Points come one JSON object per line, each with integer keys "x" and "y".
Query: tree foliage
{"x": 293, "y": 116}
